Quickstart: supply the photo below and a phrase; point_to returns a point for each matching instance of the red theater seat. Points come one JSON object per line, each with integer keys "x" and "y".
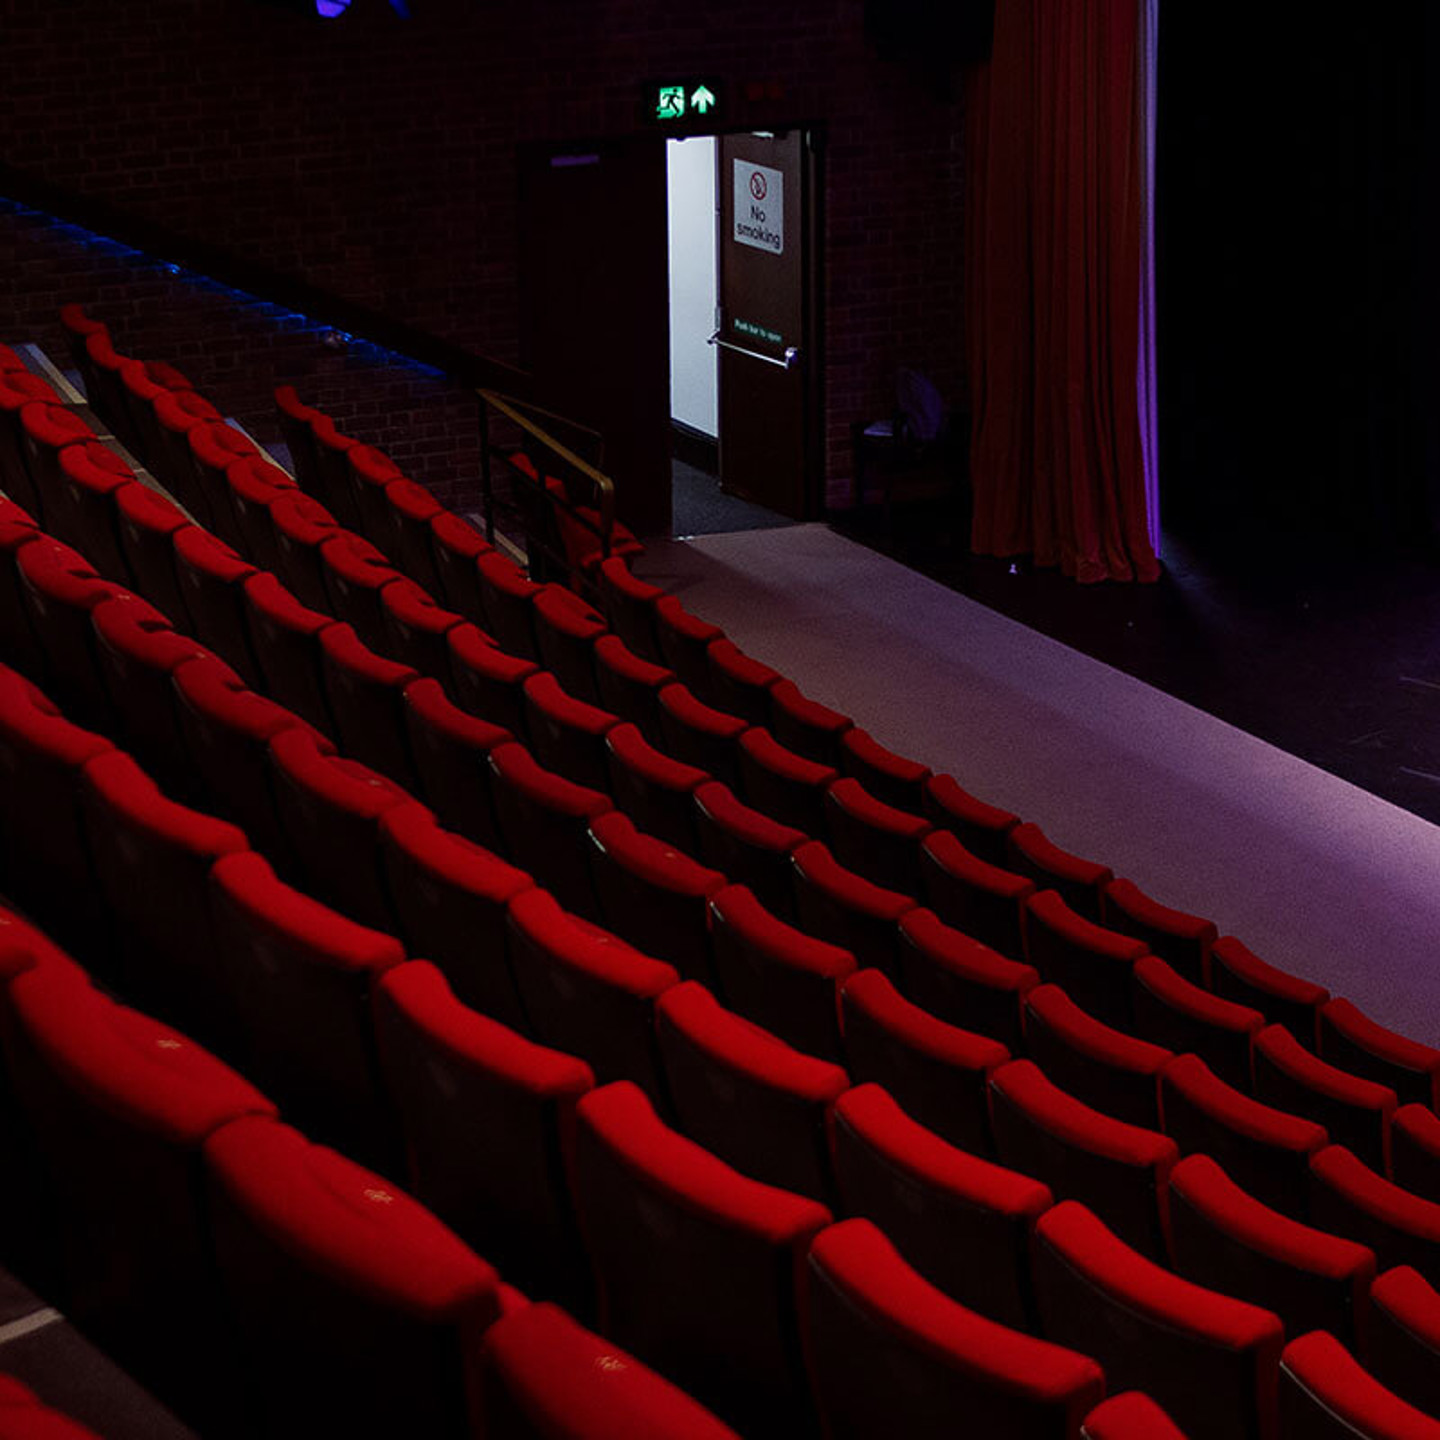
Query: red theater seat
{"x": 329, "y": 809}
{"x": 1175, "y": 1012}
{"x": 566, "y": 629}
{"x": 18, "y": 645}
{"x": 355, "y": 573}
{"x": 628, "y": 685}
{"x": 457, "y": 545}
{"x": 295, "y": 419}
{"x": 891, "y": 1354}
{"x": 300, "y": 977}
{"x": 1092, "y": 964}
{"x": 176, "y": 414}
{"x": 103, "y": 387}
{"x": 81, "y": 508}
{"x": 449, "y": 748}
{"x": 540, "y": 1373}
{"x": 746, "y": 1096}
{"x": 694, "y": 733}
{"x": 1415, "y": 1150}
{"x": 652, "y": 895}
{"x": 586, "y": 992}
{"x": 629, "y": 605}
{"x": 42, "y": 845}
{"x": 485, "y": 1115}
{"x": 365, "y": 694}
{"x": 982, "y": 829}
{"x": 59, "y": 589}
{"x": 368, "y": 472}
{"x": 685, "y": 641}
{"x": 225, "y": 731}
{"x": 567, "y": 735}
{"x": 486, "y": 681}
{"x": 302, "y": 525}
{"x": 887, "y": 776}
{"x": 748, "y": 847}
{"x": 1348, "y": 1198}
{"x": 79, "y": 327}
{"x": 507, "y": 596}
{"x": 1326, "y": 1394}
{"x": 405, "y": 532}
{"x": 874, "y": 839}
{"x": 1208, "y": 1359}
{"x": 1356, "y": 1112}
{"x": 137, "y": 652}
{"x": 695, "y": 1264}
{"x": 381, "y": 1277}
{"x": 17, "y": 390}
{"x": 210, "y": 576}
{"x": 1081, "y": 883}
{"x": 1265, "y": 1151}
{"x": 739, "y": 684}
{"x": 151, "y": 856}
{"x": 1224, "y": 1238}
{"x": 846, "y": 909}
{"x": 332, "y": 470}
{"x": 544, "y": 821}
{"x": 782, "y": 784}
{"x": 805, "y": 726}
{"x": 1106, "y": 1068}
{"x": 120, "y": 1106}
{"x": 147, "y": 523}
{"x": 1131, "y": 1415}
{"x": 1404, "y": 1336}
{"x": 937, "y": 1072}
{"x": 1183, "y": 941}
{"x": 285, "y": 637}
{"x": 1238, "y": 974}
{"x": 1355, "y": 1043}
{"x": 1120, "y": 1171}
{"x": 45, "y": 430}
{"x": 253, "y": 483}
{"x": 962, "y": 1222}
{"x": 214, "y": 447}
{"x": 656, "y": 792}
{"x": 777, "y": 976}
{"x": 961, "y": 980}
{"x": 450, "y": 897}
{"x": 414, "y": 629}
{"x": 981, "y": 899}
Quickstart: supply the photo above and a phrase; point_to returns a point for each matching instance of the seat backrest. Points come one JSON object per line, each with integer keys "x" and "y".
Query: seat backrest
{"x": 890, "y": 1353}
{"x": 1211, "y": 1361}
{"x": 1326, "y": 1394}
{"x": 1181, "y": 940}
{"x": 1178, "y": 1013}
{"x": 746, "y": 1096}
{"x": 1238, "y": 974}
{"x": 1357, "y": 1044}
{"x": 1403, "y": 1346}
{"x": 322, "y": 1260}
{"x": 696, "y": 1264}
{"x": 981, "y": 899}
{"x": 846, "y": 909}
{"x": 964, "y": 1223}
{"x": 1092, "y": 964}
{"x": 484, "y": 1112}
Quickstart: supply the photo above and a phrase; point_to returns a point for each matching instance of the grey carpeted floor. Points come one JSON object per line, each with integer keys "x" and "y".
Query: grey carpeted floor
{"x": 1311, "y": 872}
{"x": 701, "y": 507}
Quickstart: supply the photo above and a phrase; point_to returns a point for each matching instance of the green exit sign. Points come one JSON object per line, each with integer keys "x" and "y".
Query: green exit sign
{"x": 678, "y": 104}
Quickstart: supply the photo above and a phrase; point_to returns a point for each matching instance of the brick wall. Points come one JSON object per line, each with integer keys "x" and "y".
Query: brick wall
{"x": 374, "y": 158}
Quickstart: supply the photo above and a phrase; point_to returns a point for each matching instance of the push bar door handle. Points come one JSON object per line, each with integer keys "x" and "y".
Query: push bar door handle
{"x": 789, "y": 361}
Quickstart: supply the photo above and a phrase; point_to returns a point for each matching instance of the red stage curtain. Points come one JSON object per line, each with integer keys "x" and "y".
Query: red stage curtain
{"x": 1057, "y": 248}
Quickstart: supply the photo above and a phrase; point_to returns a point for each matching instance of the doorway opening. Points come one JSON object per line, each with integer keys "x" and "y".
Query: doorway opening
{"x": 715, "y": 486}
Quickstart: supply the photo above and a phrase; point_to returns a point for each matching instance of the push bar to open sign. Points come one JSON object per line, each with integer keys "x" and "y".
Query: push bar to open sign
{"x": 789, "y": 361}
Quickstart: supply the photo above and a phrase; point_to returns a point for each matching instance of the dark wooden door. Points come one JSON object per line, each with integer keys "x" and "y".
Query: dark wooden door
{"x": 595, "y": 306}
{"x": 768, "y": 371}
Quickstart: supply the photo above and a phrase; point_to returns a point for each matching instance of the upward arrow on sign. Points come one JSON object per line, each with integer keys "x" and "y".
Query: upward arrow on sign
{"x": 702, "y": 99}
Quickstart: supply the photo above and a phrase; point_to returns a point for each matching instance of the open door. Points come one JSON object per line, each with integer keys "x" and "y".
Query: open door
{"x": 769, "y": 403}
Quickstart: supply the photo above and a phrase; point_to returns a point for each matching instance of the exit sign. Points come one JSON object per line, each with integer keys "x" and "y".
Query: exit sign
{"x": 680, "y": 104}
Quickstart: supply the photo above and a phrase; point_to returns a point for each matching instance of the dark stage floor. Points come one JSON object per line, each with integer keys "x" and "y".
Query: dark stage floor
{"x": 1332, "y": 657}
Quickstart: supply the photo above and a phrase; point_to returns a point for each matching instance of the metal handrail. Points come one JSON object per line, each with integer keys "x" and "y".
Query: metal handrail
{"x": 527, "y": 417}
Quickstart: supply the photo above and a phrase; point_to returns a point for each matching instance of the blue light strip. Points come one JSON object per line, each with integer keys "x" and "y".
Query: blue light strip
{"x": 277, "y": 315}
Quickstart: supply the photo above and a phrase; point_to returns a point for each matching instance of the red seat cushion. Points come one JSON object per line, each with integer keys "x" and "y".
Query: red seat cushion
{"x": 1404, "y": 1336}
{"x": 1081, "y": 882}
{"x": 1348, "y": 1198}
{"x": 1238, "y": 974}
{"x": 1182, "y": 941}
{"x": 1173, "y": 1011}
{"x": 1094, "y": 965}
{"x": 982, "y": 828}
{"x": 846, "y": 909}
{"x": 887, "y": 776}
{"x": 1355, "y": 1043}
{"x": 1324, "y": 1392}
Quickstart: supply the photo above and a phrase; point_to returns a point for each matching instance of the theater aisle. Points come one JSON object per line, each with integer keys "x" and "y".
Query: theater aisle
{"x": 1314, "y": 874}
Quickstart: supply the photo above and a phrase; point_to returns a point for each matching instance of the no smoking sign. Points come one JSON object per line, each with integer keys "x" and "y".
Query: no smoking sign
{"x": 759, "y": 205}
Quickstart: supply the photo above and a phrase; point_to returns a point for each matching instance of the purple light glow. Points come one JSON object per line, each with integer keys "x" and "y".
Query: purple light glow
{"x": 331, "y": 9}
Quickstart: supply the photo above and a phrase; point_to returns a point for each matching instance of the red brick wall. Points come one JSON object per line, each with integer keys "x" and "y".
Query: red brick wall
{"x": 374, "y": 158}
